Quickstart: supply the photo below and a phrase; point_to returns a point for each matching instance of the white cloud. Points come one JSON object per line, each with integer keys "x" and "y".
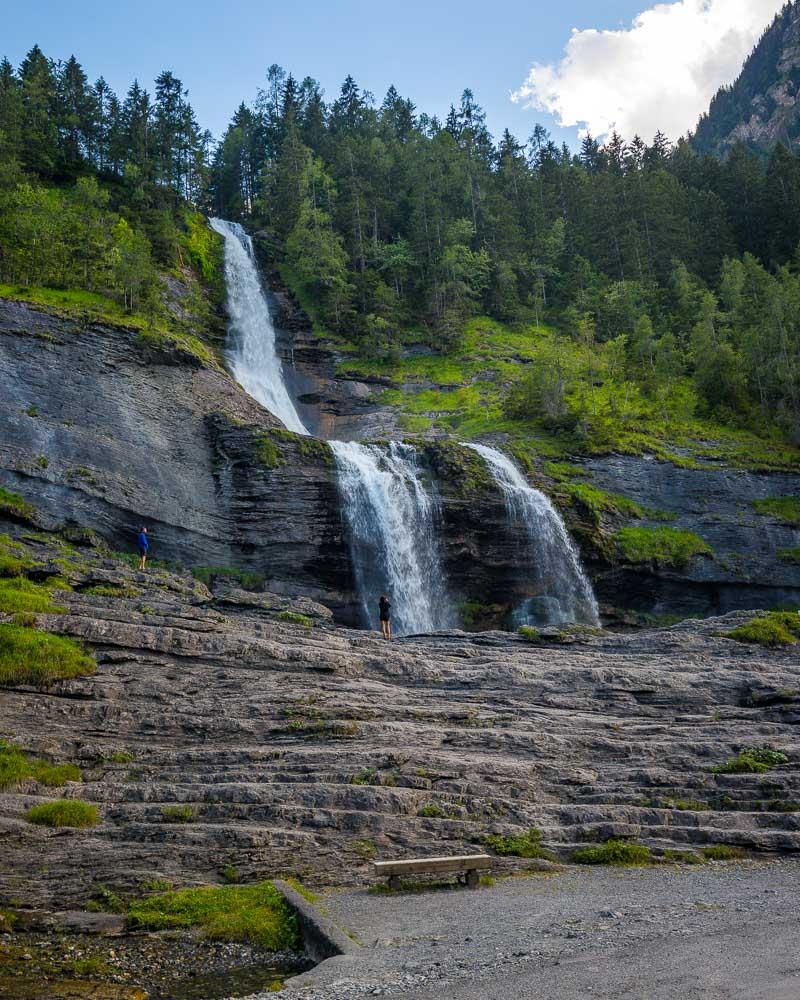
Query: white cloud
{"x": 660, "y": 73}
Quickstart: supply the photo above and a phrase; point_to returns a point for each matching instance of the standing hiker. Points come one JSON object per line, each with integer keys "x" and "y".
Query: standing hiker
{"x": 144, "y": 545}
{"x": 385, "y": 609}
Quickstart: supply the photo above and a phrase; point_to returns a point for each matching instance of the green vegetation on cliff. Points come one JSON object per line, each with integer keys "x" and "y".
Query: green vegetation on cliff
{"x": 777, "y": 628}
{"x": 37, "y": 658}
{"x": 16, "y": 766}
{"x": 64, "y": 812}
{"x": 664, "y": 547}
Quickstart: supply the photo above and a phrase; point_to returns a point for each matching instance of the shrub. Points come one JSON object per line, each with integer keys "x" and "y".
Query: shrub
{"x": 369, "y": 776}
{"x": 528, "y": 632}
{"x": 231, "y": 874}
{"x": 432, "y": 811}
{"x": 520, "y": 845}
{"x": 28, "y": 656}
{"x": 178, "y": 814}
{"x": 753, "y": 760}
{"x": 614, "y": 852}
{"x": 668, "y": 547}
{"x": 365, "y": 849}
{"x": 775, "y": 629}
{"x": 64, "y": 812}
{"x": 255, "y": 913}
{"x": 15, "y": 767}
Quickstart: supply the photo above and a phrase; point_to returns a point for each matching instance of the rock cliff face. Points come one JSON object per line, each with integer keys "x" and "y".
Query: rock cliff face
{"x": 308, "y": 749}
{"x": 103, "y": 431}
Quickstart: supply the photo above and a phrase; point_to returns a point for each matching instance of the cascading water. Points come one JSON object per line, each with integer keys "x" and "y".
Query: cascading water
{"x": 394, "y": 534}
{"x": 392, "y": 517}
{"x": 253, "y": 358}
{"x": 565, "y": 593}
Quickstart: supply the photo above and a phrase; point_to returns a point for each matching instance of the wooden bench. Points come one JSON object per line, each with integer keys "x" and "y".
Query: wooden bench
{"x": 468, "y": 865}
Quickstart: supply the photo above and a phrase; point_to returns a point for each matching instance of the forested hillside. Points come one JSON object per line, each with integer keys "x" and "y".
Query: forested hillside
{"x": 98, "y": 197}
{"x": 676, "y": 276}
{"x": 624, "y": 296}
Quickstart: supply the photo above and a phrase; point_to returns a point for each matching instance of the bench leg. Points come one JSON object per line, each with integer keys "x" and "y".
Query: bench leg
{"x": 394, "y": 882}
{"x": 473, "y": 879}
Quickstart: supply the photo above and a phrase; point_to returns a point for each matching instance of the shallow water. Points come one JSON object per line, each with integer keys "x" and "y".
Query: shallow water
{"x": 218, "y": 985}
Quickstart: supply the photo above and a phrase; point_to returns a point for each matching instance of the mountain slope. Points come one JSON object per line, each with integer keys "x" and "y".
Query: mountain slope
{"x": 762, "y": 106}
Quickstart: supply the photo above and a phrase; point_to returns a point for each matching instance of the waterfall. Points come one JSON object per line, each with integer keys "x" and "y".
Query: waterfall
{"x": 394, "y": 534}
{"x": 252, "y": 355}
{"x": 565, "y": 593}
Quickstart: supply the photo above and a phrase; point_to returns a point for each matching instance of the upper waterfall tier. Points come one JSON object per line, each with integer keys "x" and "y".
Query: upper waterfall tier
{"x": 253, "y": 358}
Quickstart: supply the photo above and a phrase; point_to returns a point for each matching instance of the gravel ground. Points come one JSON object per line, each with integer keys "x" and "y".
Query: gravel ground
{"x": 721, "y": 932}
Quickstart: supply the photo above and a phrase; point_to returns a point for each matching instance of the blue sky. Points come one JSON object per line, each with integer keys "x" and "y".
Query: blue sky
{"x": 430, "y": 49}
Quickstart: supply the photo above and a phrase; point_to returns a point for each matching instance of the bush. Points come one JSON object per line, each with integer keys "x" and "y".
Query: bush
{"x": 15, "y": 767}
{"x": 775, "y": 629}
{"x": 614, "y": 852}
{"x": 28, "y": 656}
{"x": 521, "y": 845}
{"x": 753, "y": 760}
{"x": 668, "y": 547}
{"x": 255, "y": 913}
{"x": 64, "y": 812}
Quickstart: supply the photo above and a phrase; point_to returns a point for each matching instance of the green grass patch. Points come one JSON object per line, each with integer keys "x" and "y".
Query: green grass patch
{"x": 256, "y": 913}
{"x": 15, "y": 506}
{"x": 723, "y": 852}
{"x": 614, "y": 852}
{"x": 64, "y": 812}
{"x": 664, "y": 547}
{"x": 786, "y": 509}
{"x": 28, "y": 656}
{"x": 596, "y": 502}
{"x": 432, "y": 810}
{"x": 790, "y": 556}
{"x": 178, "y": 814}
{"x": 267, "y": 453}
{"x": 519, "y": 845}
{"x": 294, "y": 618}
{"x": 16, "y": 766}
{"x": 365, "y": 849}
{"x": 753, "y": 760}
{"x": 111, "y": 590}
{"x": 17, "y": 594}
{"x": 774, "y": 629}
{"x": 528, "y": 632}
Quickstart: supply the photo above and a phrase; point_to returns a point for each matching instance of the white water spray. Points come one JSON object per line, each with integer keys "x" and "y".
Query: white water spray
{"x": 253, "y": 358}
{"x": 564, "y": 591}
{"x": 393, "y": 520}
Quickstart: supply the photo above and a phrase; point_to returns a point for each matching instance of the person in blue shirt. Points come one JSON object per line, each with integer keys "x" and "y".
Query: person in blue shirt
{"x": 144, "y": 545}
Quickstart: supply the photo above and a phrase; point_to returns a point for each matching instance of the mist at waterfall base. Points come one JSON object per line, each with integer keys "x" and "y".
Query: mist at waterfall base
{"x": 252, "y": 353}
{"x": 393, "y": 516}
{"x": 563, "y": 591}
{"x": 395, "y": 531}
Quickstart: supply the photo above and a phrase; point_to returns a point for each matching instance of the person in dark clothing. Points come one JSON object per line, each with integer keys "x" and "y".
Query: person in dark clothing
{"x": 385, "y": 609}
{"x": 144, "y": 545}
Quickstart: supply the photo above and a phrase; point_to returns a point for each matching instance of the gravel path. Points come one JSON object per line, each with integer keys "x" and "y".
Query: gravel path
{"x": 721, "y": 932}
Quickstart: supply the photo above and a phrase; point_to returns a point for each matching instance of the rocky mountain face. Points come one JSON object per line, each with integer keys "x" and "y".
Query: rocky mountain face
{"x": 289, "y": 745}
{"x": 101, "y": 430}
{"x": 762, "y": 106}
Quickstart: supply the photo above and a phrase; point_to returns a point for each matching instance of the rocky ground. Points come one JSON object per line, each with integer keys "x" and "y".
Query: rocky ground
{"x": 308, "y": 750}
{"x": 721, "y": 932}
